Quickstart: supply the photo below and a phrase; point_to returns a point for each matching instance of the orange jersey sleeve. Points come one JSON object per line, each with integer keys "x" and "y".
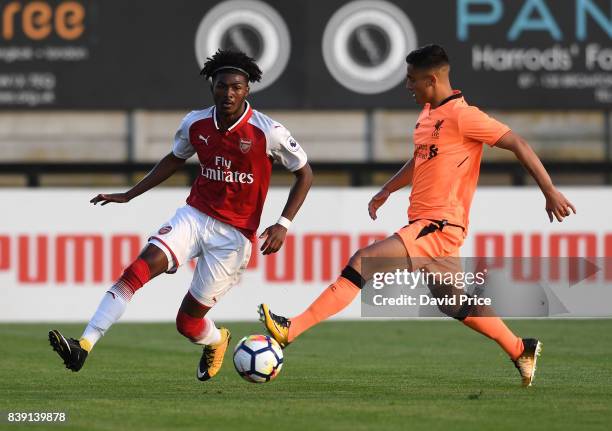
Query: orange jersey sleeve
{"x": 477, "y": 126}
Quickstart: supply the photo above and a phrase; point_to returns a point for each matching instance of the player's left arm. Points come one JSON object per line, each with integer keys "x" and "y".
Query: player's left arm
{"x": 275, "y": 235}
{"x": 557, "y": 205}
{"x": 283, "y": 148}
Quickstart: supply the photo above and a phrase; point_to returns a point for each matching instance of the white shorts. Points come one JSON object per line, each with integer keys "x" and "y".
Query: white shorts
{"x": 223, "y": 252}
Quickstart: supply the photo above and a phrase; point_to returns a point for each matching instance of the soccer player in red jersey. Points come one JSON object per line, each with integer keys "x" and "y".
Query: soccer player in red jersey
{"x": 236, "y": 146}
{"x": 448, "y": 143}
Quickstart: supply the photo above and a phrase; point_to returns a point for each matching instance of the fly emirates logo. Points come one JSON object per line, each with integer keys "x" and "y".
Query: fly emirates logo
{"x": 222, "y": 171}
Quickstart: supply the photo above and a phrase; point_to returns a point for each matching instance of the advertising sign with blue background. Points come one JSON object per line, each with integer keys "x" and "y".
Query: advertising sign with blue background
{"x": 337, "y": 54}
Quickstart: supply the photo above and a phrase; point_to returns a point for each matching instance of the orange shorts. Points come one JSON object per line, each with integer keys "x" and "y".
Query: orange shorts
{"x": 426, "y": 243}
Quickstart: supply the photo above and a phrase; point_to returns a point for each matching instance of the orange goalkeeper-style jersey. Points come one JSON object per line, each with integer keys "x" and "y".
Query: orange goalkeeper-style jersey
{"x": 447, "y": 151}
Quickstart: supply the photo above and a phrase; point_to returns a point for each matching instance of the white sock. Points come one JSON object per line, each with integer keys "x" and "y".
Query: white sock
{"x": 210, "y": 335}
{"x": 111, "y": 308}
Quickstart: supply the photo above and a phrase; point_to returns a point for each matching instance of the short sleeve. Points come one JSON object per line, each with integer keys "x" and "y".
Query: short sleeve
{"x": 478, "y": 126}
{"x": 182, "y": 148}
{"x": 285, "y": 149}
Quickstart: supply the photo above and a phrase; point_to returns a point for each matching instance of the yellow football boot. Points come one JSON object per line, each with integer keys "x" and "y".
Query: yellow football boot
{"x": 277, "y": 326}
{"x": 212, "y": 356}
{"x": 526, "y": 363}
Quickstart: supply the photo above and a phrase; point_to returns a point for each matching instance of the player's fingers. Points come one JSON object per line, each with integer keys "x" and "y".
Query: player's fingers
{"x": 558, "y": 215}
{"x": 105, "y": 199}
{"x": 264, "y": 233}
{"x": 372, "y": 210}
{"x": 550, "y": 215}
{"x": 570, "y": 205}
{"x": 106, "y": 203}
{"x": 276, "y": 245}
{"x": 265, "y": 245}
{"x": 269, "y": 250}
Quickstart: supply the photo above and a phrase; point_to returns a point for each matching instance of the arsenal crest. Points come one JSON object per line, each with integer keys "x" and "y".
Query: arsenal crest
{"x": 245, "y": 145}
{"x": 164, "y": 230}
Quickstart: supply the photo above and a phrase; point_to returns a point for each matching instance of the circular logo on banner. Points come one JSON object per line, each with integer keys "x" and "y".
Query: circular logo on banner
{"x": 250, "y": 26}
{"x": 365, "y": 45}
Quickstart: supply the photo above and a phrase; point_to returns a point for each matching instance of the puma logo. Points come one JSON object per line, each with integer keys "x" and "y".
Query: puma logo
{"x": 205, "y": 139}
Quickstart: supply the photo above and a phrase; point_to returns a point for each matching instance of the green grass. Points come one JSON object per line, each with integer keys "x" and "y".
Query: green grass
{"x": 434, "y": 375}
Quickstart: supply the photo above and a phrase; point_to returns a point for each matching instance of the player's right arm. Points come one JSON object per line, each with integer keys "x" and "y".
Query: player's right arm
{"x": 181, "y": 151}
{"x": 479, "y": 127}
{"x": 161, "y": 172}
{"x": 401, "y": 179}
{"x": 557, "y": 205}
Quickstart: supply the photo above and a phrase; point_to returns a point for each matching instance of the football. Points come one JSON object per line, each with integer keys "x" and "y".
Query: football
{"x": 258, "y": 358}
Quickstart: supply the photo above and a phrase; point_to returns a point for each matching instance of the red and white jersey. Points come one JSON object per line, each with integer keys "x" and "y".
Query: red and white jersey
{"x": 236, "y": 164}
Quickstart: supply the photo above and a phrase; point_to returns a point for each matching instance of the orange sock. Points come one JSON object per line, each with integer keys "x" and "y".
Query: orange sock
{"x": 496, "y": 329}
{"x": 333, "y": 300}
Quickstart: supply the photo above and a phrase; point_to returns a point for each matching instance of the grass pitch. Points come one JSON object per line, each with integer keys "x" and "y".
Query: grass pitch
{"x": 434, "y": 375}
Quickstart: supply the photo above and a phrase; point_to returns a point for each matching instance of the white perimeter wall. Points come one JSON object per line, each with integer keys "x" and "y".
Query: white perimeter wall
{"x": 33, "y": 288}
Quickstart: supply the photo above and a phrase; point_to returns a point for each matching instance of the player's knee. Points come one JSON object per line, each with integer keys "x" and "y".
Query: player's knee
{"x": 355, "y": 261}
{"x": 155, "y": 258}
{"x": 449, "y": 301}
{"x": 352, "y": 275}
{"x": 188, "y": 326}
{"x": 452, "y": 311}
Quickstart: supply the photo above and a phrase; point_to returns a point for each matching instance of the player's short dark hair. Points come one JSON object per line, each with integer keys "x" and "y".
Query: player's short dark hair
{"x": 226, "y": 60}
{"x": 428, "y": 57}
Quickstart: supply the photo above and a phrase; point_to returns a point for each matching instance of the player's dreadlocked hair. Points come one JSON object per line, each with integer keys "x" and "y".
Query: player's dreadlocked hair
{"x": 231, "y": 60}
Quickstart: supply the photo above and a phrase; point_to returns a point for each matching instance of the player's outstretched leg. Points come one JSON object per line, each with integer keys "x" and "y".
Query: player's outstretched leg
{"x": 331, "y": 301}
{"x": 484, "y": 320}
{"x": 335, "y": 297}
{"x": 151, "y": 262}
{"x": 192, "y": 323}
{"x": 523, "y": 352}
{"x": 68, "y": 349}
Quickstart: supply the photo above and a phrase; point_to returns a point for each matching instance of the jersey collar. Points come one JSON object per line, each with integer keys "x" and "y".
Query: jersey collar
{"x": 457, "y": 94}
{"x": 239, "y": 122}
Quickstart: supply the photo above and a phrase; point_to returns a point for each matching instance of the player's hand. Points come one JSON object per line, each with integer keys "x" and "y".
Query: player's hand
{"x": 119, "y": 198}
{"x": 377, "y": 201}
{"x": 274, "y": 238}
{"x": 557, "y": 206}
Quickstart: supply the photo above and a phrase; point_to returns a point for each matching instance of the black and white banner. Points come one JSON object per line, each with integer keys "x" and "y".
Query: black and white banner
{"x": 337, "y": 54}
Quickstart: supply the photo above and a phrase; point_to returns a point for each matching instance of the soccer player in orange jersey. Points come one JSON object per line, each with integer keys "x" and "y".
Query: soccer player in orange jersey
{"x": 444, "y": 172}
